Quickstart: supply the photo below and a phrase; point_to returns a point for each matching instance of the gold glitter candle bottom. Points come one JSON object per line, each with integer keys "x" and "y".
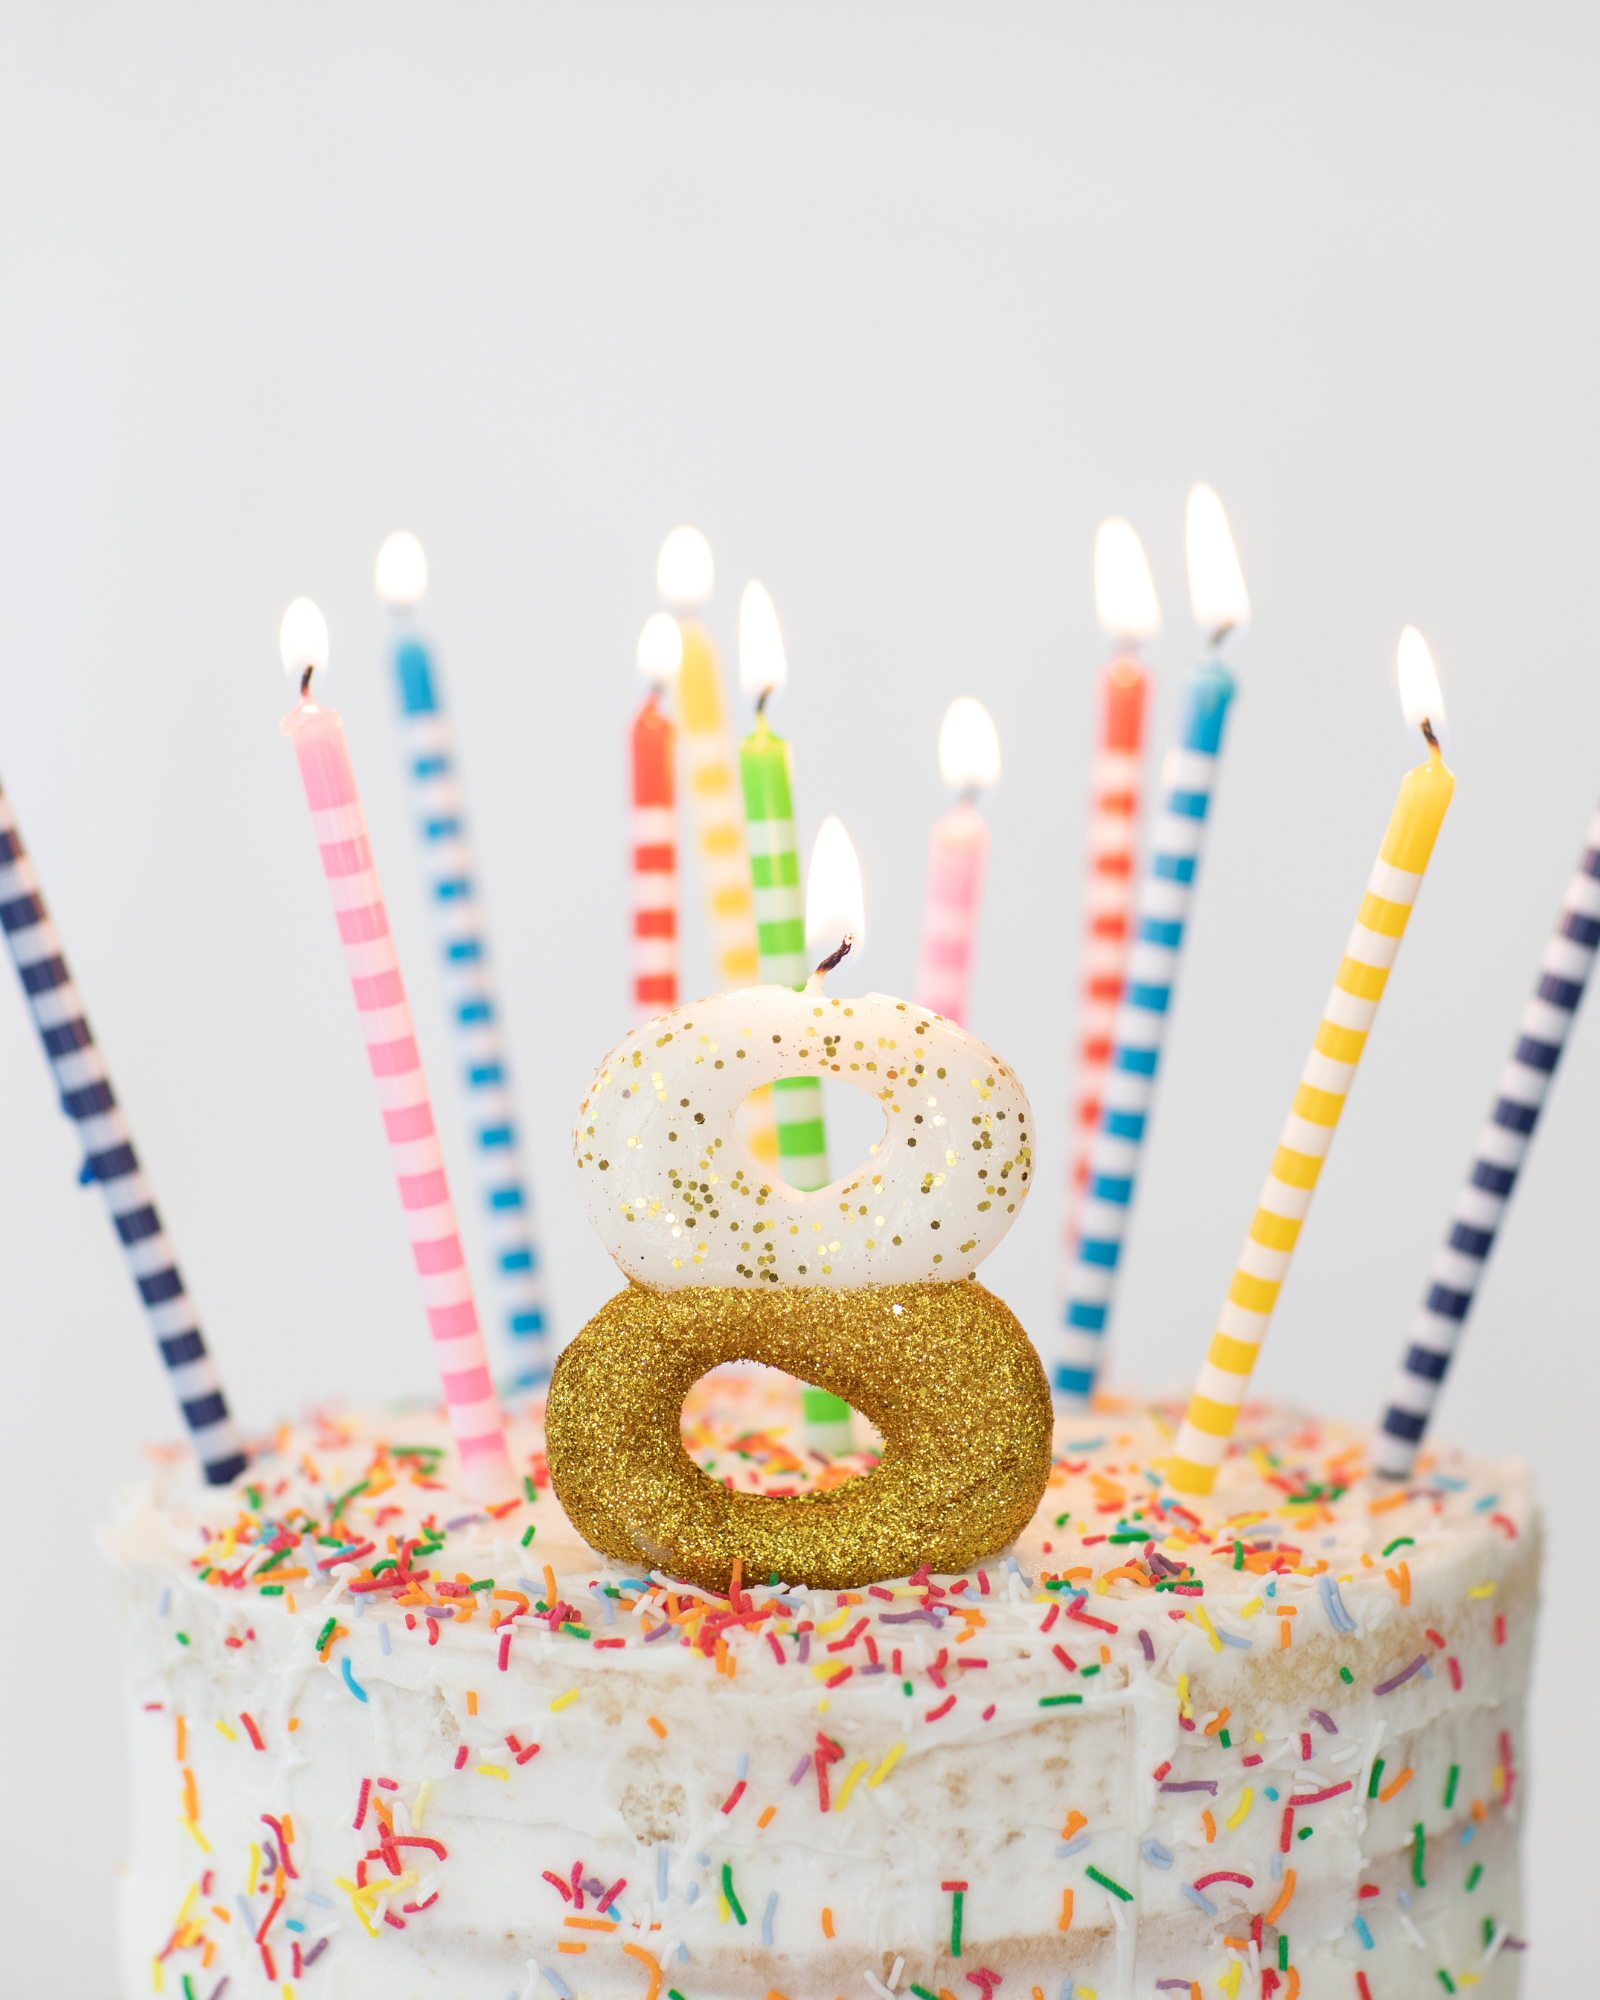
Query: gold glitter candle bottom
{"x": 945, "y": 1372}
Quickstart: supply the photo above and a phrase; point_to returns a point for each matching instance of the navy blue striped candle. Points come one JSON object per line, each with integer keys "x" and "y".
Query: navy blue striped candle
{"x": 522, "y": 1346}
{"x": 1503, "y": 1145}
{"x": 109, "y": 1159}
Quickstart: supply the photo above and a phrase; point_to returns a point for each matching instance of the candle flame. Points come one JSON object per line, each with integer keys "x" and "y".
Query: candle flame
{"x": 762, "y": 666}
{"x": 660, "y": 648}
{"x": 1124, "y": 593}
{"x": 303, "y": 639}
{"x": 1216, "y": 583}
{"x": 402, "y": 572}
{"x": 834, "y": 907}
{"x": 685, "y": 573}
{"x": 1419, "y": 683}
{"x": 969, "y": 750}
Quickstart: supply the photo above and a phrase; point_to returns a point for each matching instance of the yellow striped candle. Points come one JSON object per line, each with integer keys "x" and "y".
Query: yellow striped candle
{"x": 685, "y": 577}
{"x": 1324, "y": 1084}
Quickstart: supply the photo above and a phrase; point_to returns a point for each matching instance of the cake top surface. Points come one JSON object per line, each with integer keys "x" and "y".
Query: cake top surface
{"x": 364, "y": 1504}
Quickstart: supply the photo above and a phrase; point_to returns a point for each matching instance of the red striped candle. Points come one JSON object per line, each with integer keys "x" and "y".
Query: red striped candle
{"x": 652, "y": 742}
{"x": 1126, "y": 602}
{"x": 958, "y": 852}
{"x": 317, "y": 734}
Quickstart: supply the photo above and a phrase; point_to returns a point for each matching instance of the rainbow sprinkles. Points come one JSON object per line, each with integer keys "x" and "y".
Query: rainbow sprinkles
{"x": 1264, "y": 1742}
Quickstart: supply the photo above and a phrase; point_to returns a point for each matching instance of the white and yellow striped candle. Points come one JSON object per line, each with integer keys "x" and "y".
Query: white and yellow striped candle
{"x": 1325, "y": 1082}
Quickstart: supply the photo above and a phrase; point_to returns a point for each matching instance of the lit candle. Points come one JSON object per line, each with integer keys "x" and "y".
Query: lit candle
{"x": 1324, "y": 1084}
{"x": 461, "y": 931}
{"x": 317, "y": 735}
{"x": 685, "y": 577}
{"x": 1166, "y": 888}
{"x": 958, "y": 851}
{"x": 110, "y": 1162}
{"x": 775, "y": 878}
{"x": 654, "y": 826}
{"x": 1503, "y": 1145}
{"x": 1125, "y": 600}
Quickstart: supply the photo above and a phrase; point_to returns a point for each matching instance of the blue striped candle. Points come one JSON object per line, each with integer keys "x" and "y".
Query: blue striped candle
{"x": 109, "y": 1159}
{"x": 1524, "y": 1083}
{"x": 523, "y": 1348}
{"x": 1165, "y": 891}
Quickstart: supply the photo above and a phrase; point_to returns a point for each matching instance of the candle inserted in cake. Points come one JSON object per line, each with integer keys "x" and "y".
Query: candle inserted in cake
{"x": 958, "y": 853}
{"x": 775, "y": 877}
{"x": 1125, "y": 602}
{"x": 1325, "y": 1082}
{"x": 109, "y": 1160}
{"x": 653, "y": 847}
{"x": 1166, "y": 889}
{"x": 317, "y": 734}
{"x": 472, "y": 1007}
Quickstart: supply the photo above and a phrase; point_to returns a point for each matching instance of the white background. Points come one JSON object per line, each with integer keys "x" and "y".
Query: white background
{"x": 895, "y": 304}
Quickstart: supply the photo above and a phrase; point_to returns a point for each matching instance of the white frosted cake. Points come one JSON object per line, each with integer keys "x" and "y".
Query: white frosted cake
{"x": 389, "y": 1745}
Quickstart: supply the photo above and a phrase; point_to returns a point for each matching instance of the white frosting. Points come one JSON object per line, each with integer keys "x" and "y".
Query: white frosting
{"x": 678, "y": 1200}
{"x": 982, "y": 1780}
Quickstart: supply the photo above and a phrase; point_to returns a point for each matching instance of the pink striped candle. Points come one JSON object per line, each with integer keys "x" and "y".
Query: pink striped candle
{"x": 958, "y": 852}
{"x": 330, "y": 784}
{"x": 653, "y": 846}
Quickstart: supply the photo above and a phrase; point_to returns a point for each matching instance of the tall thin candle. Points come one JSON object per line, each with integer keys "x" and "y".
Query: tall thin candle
{"x": 775, "y": 878}
{"x": 1125, "y": 601}
{"x": 1503, "y": 1145}
{"x": 958, "y": 853}
{"x": 653, "y": 847}
{"x": 109, "y": 1160}
{"x": 1166, "y": 890}
{"x": 1325, "y": 1082}
{"x": 317, "y": 735}
{"x": 472, "y": 1007}
{"x": 684, "y": 577}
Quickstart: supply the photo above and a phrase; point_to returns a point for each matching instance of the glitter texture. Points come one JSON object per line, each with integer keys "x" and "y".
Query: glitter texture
{"x": 944, "y": 1371}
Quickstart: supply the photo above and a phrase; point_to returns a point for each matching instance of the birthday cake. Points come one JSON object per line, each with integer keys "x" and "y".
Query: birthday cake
{"x": 392, "y": 1742}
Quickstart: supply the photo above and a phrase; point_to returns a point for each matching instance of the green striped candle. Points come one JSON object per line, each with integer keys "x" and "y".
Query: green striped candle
{"x": 781, "y": 935}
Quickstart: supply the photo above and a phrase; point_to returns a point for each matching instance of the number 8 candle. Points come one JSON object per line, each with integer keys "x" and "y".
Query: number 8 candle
{"x": 330, "y": 786}
{"x": 1324, "y": 1084}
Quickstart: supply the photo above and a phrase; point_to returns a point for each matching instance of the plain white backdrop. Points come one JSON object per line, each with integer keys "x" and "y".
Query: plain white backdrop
{"x": 895, "y": 304}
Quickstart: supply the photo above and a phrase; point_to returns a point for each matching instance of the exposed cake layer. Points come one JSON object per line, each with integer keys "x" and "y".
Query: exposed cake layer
{"x": 388, "y": 1745}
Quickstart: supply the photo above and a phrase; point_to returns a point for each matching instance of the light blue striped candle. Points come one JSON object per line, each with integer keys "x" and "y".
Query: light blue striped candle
{"x": 1166, "y": 888}
{"x": 521, "y": 1349}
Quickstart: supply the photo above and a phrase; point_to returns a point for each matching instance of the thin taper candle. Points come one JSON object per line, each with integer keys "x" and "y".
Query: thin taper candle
{"x": 465, "y": 968}
{"x": 1166, "y": 891}
{"x": 1502, "y": 1147}
{"x": 317, "y": 735}
{"x": 1319, "y": 1100}
{"x": 109, "y": 1160}
{"x": 958, "y": 855}
{"x": 653, "y": 826}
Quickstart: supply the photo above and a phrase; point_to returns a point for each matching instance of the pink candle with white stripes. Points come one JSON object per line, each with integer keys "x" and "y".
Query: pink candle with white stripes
{"x": 317, "y": 734}
{"x": 653, "y": 829}
{"x": 1125, "y": 600}
{"x": 958, "y": 852}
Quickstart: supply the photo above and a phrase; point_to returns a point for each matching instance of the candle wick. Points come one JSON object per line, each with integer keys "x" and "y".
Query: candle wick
{"x": 1220, "y": 634}
{"x": 305, "y": 683}
{"x": 814, "y": 983}
{"x": 761, "y": 703}
{"x": 1427, "y": 730}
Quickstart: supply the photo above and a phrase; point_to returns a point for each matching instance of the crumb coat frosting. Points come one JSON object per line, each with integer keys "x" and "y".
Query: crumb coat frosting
{"x": 389, "y": 1743}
